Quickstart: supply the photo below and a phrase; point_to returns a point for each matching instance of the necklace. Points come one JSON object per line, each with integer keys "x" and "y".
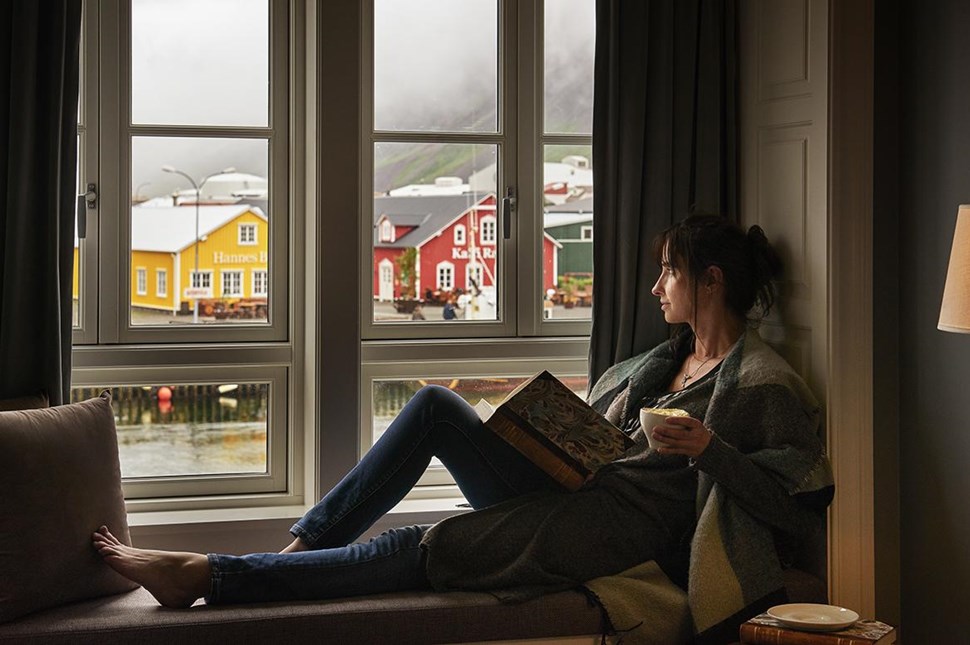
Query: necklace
{"x": 689, "y": 375}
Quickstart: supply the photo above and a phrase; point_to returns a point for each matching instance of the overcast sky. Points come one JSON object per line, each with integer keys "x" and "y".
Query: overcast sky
{"x": 198, "y": 62}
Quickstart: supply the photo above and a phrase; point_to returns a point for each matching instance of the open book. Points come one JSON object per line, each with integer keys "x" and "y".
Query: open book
{"x": 558, "y": 431}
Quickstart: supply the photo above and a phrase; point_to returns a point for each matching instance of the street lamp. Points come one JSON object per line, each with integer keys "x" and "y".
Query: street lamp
{"x": 198, "y": 198}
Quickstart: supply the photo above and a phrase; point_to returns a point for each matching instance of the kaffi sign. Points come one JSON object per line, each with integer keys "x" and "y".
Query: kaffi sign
{"x": 486, "y": 253}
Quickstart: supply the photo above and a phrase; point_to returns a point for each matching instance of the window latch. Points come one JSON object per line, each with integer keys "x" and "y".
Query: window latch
{"x": 89, "y": 200}
{"x": 508, "y": 207}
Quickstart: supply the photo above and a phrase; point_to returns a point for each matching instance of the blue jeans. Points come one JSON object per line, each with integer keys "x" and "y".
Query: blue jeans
{"x": 436, "y": 422}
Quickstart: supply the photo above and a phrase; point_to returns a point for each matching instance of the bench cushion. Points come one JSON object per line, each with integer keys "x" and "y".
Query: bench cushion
{"x": 400, "y": 618}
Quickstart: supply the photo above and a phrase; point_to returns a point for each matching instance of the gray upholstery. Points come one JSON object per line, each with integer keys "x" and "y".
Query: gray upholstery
{"x": 135, "y": 618}
{"x": 400, "y": 618}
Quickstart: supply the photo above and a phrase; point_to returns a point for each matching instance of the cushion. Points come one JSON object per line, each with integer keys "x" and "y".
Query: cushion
{"x": 30, "y": 402}
{"x": 60, "y": 480}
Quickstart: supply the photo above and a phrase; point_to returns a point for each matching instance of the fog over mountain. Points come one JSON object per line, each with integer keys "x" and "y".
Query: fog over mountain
{"x": 436, "y": 69}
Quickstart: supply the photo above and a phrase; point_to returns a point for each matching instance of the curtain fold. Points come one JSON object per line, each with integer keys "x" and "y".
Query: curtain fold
{"x": 39, "y": 50}
{"x": 665, "y": 145}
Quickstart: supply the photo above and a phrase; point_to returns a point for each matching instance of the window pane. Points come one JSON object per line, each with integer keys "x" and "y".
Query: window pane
{"x": 391, "y": 395}
{"x": 196, "y": 429}
{"x": 218, "y": 274}
{"x": 436, "y": 235}
{"x": 200, "y": 62}
{"x": 436, "y": 65}
{"x": 567, "y": 246}
{"x": 569, "y": 38}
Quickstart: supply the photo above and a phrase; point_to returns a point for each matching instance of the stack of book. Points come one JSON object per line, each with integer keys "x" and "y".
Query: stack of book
{"x": 765, "y": 630}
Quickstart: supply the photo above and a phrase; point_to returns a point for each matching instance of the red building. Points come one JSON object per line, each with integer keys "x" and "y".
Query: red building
{"x": 455, "y": 238}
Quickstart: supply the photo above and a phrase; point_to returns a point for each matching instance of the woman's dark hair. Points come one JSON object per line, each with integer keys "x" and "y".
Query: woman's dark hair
{"x": 747, "y": 260}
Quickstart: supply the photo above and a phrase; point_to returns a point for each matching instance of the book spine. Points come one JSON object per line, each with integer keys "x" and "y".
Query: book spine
{"x": 768, "y": 635}
{"x": 536, "y": 452}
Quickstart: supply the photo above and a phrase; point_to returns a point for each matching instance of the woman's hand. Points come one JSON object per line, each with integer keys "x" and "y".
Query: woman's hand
{"x": 683, "y": 436}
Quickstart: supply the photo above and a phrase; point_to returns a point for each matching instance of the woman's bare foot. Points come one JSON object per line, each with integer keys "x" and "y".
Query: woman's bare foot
{"x": 175, "y": 578}
{"x": 295, "y": 546}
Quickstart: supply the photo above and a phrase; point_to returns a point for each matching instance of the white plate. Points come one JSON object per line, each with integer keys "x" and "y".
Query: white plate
{"x": 813, "y": 618}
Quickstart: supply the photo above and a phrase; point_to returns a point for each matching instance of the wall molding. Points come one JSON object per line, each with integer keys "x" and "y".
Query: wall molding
{"x": 850, "y": 280}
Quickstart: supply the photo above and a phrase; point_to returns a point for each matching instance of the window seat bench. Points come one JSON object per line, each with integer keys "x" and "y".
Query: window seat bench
{"x": 399, "y": 619}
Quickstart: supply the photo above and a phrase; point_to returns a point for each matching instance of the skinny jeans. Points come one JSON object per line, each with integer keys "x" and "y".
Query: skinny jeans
{"x": 436, "y": 422}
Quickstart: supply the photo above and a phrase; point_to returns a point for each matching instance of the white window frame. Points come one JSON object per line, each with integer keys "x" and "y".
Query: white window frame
{"x": 447, "y": 270}
{"x": 459, "y": 234}
{"x": 520, "y": 341}
{"x": 260, "y": 286}
{"x": 387, "y": 231}
{"x": 586, "y": 232}
{"x": 488, "y": 230}
{"x": 248, "y": 234}
{"x": 473, "y": 270}
{"x": 201, "y": 279}
{"x": 161, "y": 283}
{"x": 109, "y": 349}
{"x": 235, "y": 279}
{"x": 141, "y": 281}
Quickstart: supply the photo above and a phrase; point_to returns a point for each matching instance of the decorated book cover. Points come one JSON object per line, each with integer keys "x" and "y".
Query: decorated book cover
{"x": 765, "y": 630}
{"x": 557, "y": 430}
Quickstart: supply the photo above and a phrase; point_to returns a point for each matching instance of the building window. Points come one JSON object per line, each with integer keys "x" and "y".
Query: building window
{"x": 161, "y": 283}
{"x": 446, "y": 276}
{"x": 473, "y": 277}
{"x": 459, "y": 234}
{"x": 247, "y": 234}
{"x": 232, "y": 282}
{"x": 586, "y": 232}
{"x": 260, "y": 283}
{"x": 201, "y": 280}
{"x": 488, "y": 230}
{"x": 387, "y": 231}
{"x": 141, "y": 280}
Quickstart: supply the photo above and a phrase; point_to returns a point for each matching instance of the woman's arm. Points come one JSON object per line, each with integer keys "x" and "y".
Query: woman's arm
{"x": 773, "y": 480}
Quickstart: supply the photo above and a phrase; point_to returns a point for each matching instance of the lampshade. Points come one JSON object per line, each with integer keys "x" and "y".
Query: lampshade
{"x": 955, "y": 310}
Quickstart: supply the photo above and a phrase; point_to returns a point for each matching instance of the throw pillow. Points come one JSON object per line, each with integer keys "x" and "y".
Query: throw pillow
{"x": 60, "y": 480}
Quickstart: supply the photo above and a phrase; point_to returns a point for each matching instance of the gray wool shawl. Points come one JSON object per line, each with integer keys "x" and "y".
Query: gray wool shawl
{"x": 764, "y": 472}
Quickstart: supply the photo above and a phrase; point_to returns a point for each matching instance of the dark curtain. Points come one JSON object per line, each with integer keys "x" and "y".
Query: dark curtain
{"x": 39, "y": 48}
{"x": 665, "y": 145}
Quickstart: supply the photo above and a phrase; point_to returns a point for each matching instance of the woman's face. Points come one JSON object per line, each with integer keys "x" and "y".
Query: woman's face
{"x": 673, "y": 289}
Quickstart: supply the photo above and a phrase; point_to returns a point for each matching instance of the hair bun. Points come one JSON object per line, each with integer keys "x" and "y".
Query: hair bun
{"x": 766, "y": 258}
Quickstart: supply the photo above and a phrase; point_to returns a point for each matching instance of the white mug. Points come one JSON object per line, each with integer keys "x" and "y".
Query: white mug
{"x": 651, "y": 417}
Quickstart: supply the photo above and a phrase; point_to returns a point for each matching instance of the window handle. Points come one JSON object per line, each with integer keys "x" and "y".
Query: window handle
{"x": 90, "y": 200}
{"x": 508, "y": 207}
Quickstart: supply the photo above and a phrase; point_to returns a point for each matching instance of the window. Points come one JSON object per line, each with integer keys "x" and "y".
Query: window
{"x": 232, "y": 284}
{"x": 490, "y": 149}
{"x": 488, "y": 230}
{"x": 446, "y": 276}
{"x": 387, "y": 231}
{"x": 586, "y": 232}
{"x": 186, "y": 135}
{"x": 201, "y": 280}
{"x": 259, "y": 283}
{"x": 247, "y": 234}
{"x": 141, "y": 280}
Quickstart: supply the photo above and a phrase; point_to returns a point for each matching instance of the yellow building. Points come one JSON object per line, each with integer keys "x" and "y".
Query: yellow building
{"x": 233, "y": 256}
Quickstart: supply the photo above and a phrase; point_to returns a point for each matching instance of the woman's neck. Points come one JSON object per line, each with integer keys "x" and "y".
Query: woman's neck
{"x": 714, "y": 339}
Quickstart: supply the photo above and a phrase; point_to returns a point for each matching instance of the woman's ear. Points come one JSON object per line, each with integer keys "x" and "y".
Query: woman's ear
{"x": 713, "y": 275}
